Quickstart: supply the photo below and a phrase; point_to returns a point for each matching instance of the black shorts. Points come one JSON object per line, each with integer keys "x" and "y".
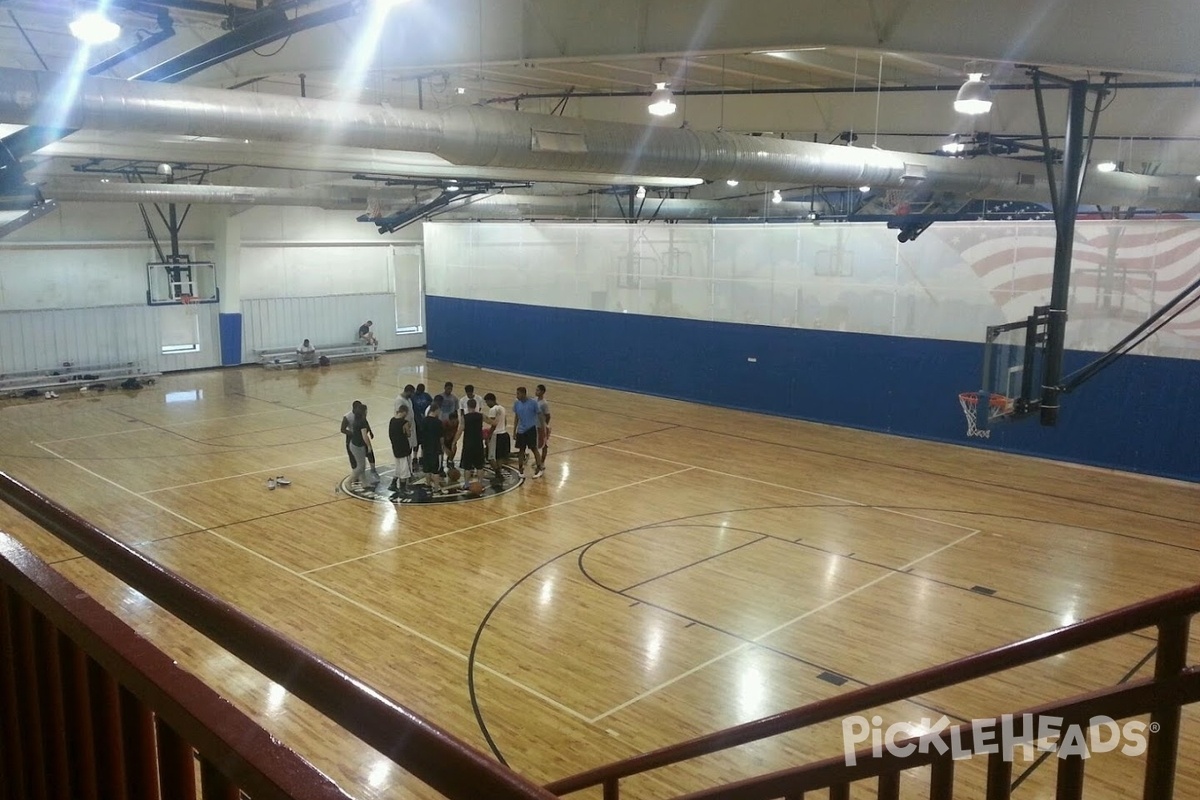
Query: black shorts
{"x": 528, "y": 439}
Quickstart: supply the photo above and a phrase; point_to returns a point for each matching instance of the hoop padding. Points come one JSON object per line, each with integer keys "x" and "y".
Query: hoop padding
{"x": 999, "y": 407}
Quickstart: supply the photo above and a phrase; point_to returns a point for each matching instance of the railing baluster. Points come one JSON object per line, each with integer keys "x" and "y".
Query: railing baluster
{"x": 839, "y": 791}
{"x": 176, "y": 764}
{"x": 1164, "y": 743}
{"x": 141, "y": 763}
{"x": 889, "y": 786}
{"x": 106, "y": 719}
{"x": 30, "y": 702}
{"x": 999, "y": 777}
{"x": 941, "y": 779}
{"x": 58, "y": 768}
{"x": 1070, "y": 778}
{"x": 78, "y": 723}
{"x": 214, "y": 785}
{"x": 12, "y": 772}
{"x": 612, "y": 789}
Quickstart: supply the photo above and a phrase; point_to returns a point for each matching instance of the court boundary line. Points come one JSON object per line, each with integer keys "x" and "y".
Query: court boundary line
{"x": 494, "y": 521}
{"x": 157, "y": 427}
{"x": 322, "y": 587}
{"x": 714, "y": 471}
{"x": 239, "y": 475}
{"x": 753, "y": 642}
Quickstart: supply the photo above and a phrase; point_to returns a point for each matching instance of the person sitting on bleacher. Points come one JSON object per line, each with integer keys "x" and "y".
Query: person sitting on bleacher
{"x": 306, "y": 354}
{"x": 366, "y": 336}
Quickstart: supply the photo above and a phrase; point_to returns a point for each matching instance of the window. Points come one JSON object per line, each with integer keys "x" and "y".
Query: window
{"x": 180, "y": 327}
{"x": 408, "y": 265}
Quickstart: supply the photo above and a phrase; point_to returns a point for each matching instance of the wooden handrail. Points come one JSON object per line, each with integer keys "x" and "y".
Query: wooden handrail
{"x": 1179, "y": 604}
{"x": 249, "y": 756}
{"x": 425, "y": 750}
{"x": 1119, "y": 702}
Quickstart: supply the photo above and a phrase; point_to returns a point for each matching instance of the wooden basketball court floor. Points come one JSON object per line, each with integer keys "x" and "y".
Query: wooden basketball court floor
{"x": 679, "y": 569}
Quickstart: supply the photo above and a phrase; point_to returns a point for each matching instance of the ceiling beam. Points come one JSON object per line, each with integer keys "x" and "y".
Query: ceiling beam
{"x": 1152, "y": 36}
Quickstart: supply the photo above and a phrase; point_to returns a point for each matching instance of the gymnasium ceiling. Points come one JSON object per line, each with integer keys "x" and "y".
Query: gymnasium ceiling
{"x": 886, "y": 70}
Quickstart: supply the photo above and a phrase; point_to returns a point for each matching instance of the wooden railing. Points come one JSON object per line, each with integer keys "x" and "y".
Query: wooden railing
{"x": 1173, "y": 685}
{"x": 92, "y": 711}
{"x": 434, "y": 756}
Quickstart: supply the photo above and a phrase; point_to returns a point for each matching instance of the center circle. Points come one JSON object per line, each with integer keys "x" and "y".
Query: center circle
{"x": 492, "y": 484}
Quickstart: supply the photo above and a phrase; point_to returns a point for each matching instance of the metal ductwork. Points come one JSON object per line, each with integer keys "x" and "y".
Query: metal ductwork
{"x": 492, "y": 138}
{"x": 510, "y": 205}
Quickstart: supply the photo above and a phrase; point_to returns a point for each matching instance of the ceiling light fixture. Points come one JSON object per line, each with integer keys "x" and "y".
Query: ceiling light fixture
{"x": 662, "y": 102}
{"x": 94, "y": 28}
{"x": 776, "y": 196}
{"x": 1107, "y": 166}
{"x": 954, "y": 146}
{"x": 461, "y": 90}
{"x": 864, "y": 189}
{"x": 732, "y": 182}
{"x": 641, "y": 193}
{"x": 975, "y": 96}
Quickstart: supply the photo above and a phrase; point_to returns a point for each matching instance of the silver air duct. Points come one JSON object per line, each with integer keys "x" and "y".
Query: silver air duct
{"x": 488, "y": 137}
{"x": 510, "y": 205}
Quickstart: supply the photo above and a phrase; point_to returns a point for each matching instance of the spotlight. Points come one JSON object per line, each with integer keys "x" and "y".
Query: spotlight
{"x": 732, "y": 182}
{"x": 165, "y": 170}
{"x": 1107, "y": 166}
{"x": 975, "y": 96}
{"x": 776, "y": 196}
{"x": 954, "y": 146}
{"x": 94, "y": 28}
{"x": 662, "y": 102}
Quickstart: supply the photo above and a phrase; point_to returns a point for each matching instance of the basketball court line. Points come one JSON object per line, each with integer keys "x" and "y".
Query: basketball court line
{"x": 400, "y": 625}
{"x": 241, "y": 475}
{"x": 498, "y": 519}
{"x": 777, "y": 628}
{"x": 150, "y": 426}
{"x": 715, "y": 471}
{"x": 323, "y": 587}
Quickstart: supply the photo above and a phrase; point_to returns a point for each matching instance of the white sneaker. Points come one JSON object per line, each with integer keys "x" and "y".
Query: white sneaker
{"x": 537, "y": 473}
{"x": 271, "y": 483}
{"x": 282, "y": 481}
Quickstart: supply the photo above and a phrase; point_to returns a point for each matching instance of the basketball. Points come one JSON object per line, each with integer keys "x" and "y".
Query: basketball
{"x": 475, "y": 488}
{"x": 453, "y": 474}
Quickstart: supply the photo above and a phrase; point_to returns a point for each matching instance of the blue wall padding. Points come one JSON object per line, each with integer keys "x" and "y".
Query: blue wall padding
{"x": 231, "y": 339}
{"x": 1138, "y": 415}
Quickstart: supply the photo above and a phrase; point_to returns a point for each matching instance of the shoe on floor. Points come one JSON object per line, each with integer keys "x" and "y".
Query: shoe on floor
{"x": 282, "y": 481}
{"x": 270, "y": 483}
{"x": 537, "y": 473}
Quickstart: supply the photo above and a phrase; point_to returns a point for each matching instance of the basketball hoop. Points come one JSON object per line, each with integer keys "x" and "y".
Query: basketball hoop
{"x": 188, "y": 302}
{"x": 999, "y": 407}
{"x": 895, "y": 200}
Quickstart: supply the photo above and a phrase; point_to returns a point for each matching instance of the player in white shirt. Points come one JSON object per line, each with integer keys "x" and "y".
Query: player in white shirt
{"x": 495, "y": 420}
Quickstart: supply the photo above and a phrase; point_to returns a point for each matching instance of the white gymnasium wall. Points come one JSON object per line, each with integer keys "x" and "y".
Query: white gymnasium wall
{"x": 315, "y": 275}
{"x": 73, "y": 285}
{"x": 953, "y": 281}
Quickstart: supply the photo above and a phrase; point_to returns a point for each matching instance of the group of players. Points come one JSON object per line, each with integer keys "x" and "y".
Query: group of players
{"x": 427, "y": 433}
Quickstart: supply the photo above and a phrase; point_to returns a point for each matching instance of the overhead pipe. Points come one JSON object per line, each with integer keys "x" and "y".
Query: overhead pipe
{"x": 509, "y": 205}
{"x": 486, "y": 137}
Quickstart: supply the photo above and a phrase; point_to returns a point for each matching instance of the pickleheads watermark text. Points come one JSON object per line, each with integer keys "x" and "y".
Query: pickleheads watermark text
{"x": 1007, "y": 735}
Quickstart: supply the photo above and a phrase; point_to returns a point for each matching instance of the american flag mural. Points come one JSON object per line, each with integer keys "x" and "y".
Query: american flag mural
{"x": 1121, "y": 272}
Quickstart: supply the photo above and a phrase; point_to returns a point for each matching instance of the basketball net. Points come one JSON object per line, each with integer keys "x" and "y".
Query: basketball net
{"x": 998, "y": 408}
{"x": 189, "y": 303}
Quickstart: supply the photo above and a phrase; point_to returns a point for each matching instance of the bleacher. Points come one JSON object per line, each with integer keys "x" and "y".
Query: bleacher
{"x": 287, "y": 357}
{"x": 71, "y": 376}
